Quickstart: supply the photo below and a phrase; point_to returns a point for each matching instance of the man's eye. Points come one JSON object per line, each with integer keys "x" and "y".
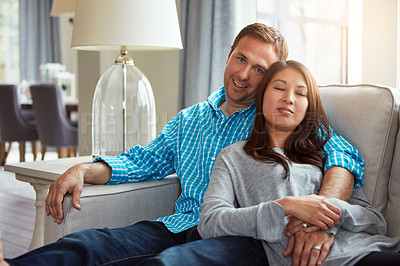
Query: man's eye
{"x": 241, "y": 59}
{"x": 260, "y": 71}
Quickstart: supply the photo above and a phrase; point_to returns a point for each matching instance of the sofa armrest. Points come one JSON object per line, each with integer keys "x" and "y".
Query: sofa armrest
{"x": 115, "y": 206}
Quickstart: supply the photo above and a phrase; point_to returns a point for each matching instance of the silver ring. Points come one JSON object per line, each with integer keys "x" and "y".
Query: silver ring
{"x": 317, "y": 247}
{"x": 304, "y": 225}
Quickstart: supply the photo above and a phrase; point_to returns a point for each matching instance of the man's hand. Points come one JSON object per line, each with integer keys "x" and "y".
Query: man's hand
{"x": 294, "y": 225}
{"x": 72, "y": 181}
{"x": 309, "y": 248}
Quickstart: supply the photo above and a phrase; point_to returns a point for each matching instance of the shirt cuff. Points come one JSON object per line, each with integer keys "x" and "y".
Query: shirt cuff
{"x": 119, "y": 172}
{"x": 356, "y": 167}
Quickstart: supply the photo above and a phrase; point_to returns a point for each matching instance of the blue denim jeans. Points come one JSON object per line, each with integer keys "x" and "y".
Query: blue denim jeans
{"x": 148, "y": 243}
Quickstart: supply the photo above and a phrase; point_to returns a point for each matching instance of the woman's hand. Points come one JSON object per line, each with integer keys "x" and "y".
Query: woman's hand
{"x": 312, "y": 209}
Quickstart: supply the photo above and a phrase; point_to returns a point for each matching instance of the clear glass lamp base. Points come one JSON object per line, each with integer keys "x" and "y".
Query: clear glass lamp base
{"x": 111, "y": 133}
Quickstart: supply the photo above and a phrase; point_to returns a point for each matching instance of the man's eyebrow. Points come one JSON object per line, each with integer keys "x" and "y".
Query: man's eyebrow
{"x": 260, "y": 66}
{"x": 241, "y": 55}
{"x": 245, "y": 57}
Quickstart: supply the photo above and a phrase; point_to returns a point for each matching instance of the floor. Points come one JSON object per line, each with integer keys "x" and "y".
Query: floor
{"x": 17, "y": 210}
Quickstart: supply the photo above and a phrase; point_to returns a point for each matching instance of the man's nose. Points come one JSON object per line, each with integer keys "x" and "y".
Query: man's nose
{"x": 244, "y": 73}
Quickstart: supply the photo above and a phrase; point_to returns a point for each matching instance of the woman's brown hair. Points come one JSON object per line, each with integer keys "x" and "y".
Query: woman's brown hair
{"x": 304, "y": 145}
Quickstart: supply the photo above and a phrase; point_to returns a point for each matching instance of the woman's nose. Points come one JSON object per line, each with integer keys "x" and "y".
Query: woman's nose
{"x": 288, "y": 97}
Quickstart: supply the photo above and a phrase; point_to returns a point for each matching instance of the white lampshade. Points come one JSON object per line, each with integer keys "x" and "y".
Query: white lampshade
{"x": 62, "y": 7}
{"x": 137, "y": 24}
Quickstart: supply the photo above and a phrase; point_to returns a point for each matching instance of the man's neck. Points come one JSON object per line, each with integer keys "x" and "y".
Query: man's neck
{"x": 229, "y": 109}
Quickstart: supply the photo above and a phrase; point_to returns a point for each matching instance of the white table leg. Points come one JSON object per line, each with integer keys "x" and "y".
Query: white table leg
{"x": 38, "y": 232}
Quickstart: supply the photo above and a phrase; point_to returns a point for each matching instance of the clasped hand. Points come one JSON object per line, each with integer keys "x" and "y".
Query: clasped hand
{"x": 308, "y": 243}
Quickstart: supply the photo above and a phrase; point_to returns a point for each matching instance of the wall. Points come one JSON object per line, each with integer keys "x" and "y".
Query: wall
{"x": 379, "y": 42}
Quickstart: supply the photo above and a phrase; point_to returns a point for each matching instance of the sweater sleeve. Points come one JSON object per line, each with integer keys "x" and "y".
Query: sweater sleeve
{"x": 221, "y": 215}
{"x": 358, "y": 215}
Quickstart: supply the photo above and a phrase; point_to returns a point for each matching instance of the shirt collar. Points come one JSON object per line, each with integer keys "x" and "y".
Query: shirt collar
{"x": 218, "y": 96}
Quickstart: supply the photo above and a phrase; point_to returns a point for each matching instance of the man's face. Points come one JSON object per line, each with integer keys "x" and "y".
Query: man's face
{"x": 245, "y": 69}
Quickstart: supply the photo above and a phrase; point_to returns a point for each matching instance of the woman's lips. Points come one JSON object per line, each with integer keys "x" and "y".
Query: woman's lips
{"x": 285, "y": 110}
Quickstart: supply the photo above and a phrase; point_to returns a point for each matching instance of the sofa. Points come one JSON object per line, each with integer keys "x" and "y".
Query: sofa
{"x": 366, "y": 115}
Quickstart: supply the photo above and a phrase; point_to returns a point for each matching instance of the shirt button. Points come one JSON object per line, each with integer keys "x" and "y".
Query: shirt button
{"x": 213, "y": 158}
{"x": 220, "y": 137}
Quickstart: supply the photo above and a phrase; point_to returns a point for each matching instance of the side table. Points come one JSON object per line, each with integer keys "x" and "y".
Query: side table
{"x": 41, "y": 174}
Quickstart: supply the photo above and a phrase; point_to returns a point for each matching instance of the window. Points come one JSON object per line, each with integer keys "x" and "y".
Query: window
{"x": 316, "y": 32}
{"x": 9, "y": 41}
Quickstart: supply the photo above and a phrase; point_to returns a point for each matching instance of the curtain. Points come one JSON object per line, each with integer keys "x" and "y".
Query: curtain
{"x": 208, "y": 29}
{"x": 39, "y": 38}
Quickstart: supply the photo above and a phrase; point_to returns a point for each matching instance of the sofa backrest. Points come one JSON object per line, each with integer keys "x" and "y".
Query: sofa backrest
{"x": 392, "y": 212}
{"x": 368, "y": 117}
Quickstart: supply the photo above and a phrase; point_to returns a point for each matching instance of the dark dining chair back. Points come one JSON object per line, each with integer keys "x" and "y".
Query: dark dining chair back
{"x": 54, "y": 126}
{"x": 15, "y": 124}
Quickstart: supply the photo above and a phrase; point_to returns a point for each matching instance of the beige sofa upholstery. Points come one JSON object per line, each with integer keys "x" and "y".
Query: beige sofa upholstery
{"x": 366, "y": 115}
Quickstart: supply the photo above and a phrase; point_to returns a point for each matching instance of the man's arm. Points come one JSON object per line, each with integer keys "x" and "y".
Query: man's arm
{"x": 152, "y": 161}
{"x": 338, "y": 183}
{"x": 339, "y": 152}
{"x": 72, "y": 181}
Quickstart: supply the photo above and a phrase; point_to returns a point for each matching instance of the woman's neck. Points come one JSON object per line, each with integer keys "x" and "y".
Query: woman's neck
{"x": 278, "y": 139}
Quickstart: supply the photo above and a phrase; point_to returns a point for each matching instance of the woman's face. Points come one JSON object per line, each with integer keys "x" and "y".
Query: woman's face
{"x": 285, "y": 100}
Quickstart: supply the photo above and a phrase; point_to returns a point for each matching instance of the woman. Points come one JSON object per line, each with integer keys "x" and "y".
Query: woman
{"x": 256, "y": 185}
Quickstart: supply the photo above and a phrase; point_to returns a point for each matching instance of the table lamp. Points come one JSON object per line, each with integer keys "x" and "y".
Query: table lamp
{"x": 63, "y": 7}
{"x": 123, "y": 103}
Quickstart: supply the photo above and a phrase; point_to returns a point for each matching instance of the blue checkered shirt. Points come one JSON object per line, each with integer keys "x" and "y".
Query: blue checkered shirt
{"x": 189, "y": 145}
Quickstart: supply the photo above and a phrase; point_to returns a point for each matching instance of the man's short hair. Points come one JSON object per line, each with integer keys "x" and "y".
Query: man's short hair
{"x": 266, "y": 34}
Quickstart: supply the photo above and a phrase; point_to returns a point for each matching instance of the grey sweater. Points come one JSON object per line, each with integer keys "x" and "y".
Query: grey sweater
{"x": 240, "y": 201}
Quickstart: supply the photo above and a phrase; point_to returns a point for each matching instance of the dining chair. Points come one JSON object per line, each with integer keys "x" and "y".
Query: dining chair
{"x": 54, "y": 127}
{"x": 16, "y": 124}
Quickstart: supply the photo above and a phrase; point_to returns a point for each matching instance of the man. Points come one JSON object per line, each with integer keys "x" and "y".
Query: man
{"x": 189, "y": 145}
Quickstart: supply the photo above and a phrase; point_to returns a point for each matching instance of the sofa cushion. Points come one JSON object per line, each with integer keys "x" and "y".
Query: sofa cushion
{"x": 368, "y": 117}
